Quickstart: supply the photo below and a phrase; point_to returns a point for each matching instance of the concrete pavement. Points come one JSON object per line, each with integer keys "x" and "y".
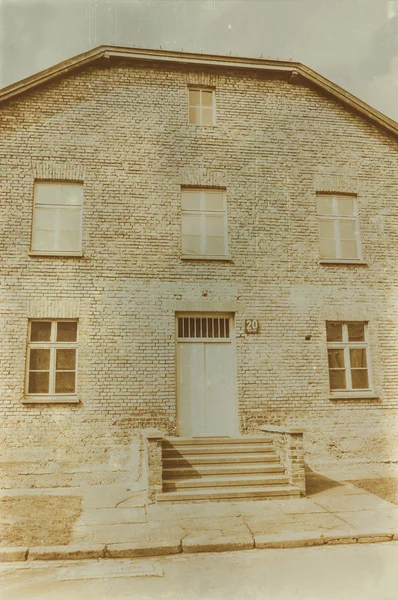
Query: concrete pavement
{"x": 116, "y": 523}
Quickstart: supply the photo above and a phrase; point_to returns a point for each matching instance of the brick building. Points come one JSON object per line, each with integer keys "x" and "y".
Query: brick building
{"x": 185, "y": 241}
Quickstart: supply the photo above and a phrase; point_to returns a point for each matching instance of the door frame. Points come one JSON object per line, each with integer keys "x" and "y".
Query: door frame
{"x": 232, "y": 342}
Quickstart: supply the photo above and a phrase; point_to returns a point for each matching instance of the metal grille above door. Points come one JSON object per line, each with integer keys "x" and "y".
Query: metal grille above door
{"x": 203, "y": 328}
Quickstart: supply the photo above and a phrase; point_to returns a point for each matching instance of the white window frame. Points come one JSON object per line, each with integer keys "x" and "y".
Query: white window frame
{"x": 346, "y": 346}
{"x": 203, "y": 214}
{"x": 200, "y": 105}
{"x": 335, "y": 218}
{"x": 52, "y": 345}
{"x": 56, "y": 207}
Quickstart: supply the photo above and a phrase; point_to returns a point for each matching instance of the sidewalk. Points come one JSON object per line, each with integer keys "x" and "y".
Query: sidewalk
{"x": 115, "y": 523}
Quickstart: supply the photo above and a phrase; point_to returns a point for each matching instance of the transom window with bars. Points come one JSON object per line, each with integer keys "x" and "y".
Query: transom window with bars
{"x": 204, "y": 223}
{"x": 52, "y": 358}
{"x": 203, "y": 328}
{"x": 348, "y": 356}
{"x": 338, "y": 227}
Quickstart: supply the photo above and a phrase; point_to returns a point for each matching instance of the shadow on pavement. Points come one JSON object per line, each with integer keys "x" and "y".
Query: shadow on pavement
{"x": 317, "y": 483}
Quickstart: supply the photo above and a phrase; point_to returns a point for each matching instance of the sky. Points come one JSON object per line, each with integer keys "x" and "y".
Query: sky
{"x": 352, "y": 42}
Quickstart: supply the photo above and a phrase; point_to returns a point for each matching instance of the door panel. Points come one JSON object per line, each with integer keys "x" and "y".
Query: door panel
{"x": 220, "y": 390}
{"x": 191, "y": 413}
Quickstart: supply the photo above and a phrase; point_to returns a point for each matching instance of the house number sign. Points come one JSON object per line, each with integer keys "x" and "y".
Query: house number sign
{"x": 252, "y": 326}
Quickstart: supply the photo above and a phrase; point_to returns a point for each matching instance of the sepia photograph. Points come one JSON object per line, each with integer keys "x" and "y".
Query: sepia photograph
{"x": 199, "y": 299}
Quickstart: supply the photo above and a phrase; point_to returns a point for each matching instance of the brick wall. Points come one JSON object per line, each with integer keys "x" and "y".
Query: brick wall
{"x": 123, "y": 131}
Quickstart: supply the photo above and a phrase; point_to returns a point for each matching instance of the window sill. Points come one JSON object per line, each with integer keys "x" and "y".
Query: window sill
{"x": 56, "y": 254}
{"x": 51, "y": 400}
{"x": 354, "y": 396}
{"x": 213, "y": 258}
{"x": 340, "y": 261}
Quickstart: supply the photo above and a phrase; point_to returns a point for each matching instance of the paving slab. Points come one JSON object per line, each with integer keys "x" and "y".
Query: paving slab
{"x": 205, "y": 543}
{"x": 106, "y": 496}
{"x": 200, "y": 509}
{"x": 110, "y": 516}
{"x": 380, "y": 519}
{"x": 353, "y": 502}
{"x": 109, "y": 534}
{"x": 300, "y": 505}
{"x": 261, "y": 525}
{"x": 320, "y": 522}
{"x": 205, "y": 523}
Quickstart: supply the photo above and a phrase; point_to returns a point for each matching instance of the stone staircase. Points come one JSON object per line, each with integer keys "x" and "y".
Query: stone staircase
{"x": 223, "y": 468}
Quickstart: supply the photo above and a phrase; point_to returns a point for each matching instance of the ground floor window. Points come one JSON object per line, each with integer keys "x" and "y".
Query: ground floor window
{"x": 348, "y": 355}
{"x": 52, "y": 358}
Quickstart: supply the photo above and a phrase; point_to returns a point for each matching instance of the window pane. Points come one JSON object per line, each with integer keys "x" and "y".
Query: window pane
{"x": 207, "y": 116}
{"x": 214, "y": 225}
{"x": 358, "y": 358}
{"x": 66, "y": 359}
{"x": 38, "y": 383}
{"x": 334, "y": 332}
{"x": 69, "y": 241}
{"x": 336, "y": 358}
{"x": 337, "y": 380}
{"x": 194, "y": 115}
{"x": 356, "y": 332}
{"x": 191, "y": 224}
{"x": 324, "y": 205}
{"x": 360, "y": 379}
{"x": 71, "y": 193}
{"x": 348, "y": 249}
{"x": 345, "y": 206}
{"x": 326, "y": 229}
{"x": 207, "y": 98}
{"x": 214, "y": 201}
{"x": 39, "y": 359}
{"x": 215, "y": 246}
{"x": 43, "y": 240}
{"x": 44, "y": 218}
{"x": 40, "y": 331}
{"x": 194, "y": 97}
{"x": 47, "y": 193}
{"x": 327, "y": 248}
{"x": 65, "y": 383}
{"x": 347, "y": 230}
{"x": 69, "y": 219}
{"x": 66, "y": 331}
{"x": 191, "y": 200}
{"x": 191, "y": 244}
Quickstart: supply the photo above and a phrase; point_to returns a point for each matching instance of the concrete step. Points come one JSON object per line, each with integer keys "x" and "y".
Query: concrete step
{"x": 220, "y": 459}
{"x": 217, "y": 449}
{"x": 181, "y": 441}
{"x": 232, "y": 493}
{"x": 234, "y": 469}
{"x": 225, "y": 481}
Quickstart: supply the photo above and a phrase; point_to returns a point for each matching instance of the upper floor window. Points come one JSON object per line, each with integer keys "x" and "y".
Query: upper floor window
{"x": 204, "y": 223}
{"x": 202, "y": 106}
{"x": 338, "y": 227}
{"x": 52, "y": 358}
{"x": 57, "y": 217}
{"x": 348, "y": 356}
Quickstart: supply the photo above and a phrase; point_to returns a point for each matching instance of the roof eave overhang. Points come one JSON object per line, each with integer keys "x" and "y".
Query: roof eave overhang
{"x": 299, "y": 71}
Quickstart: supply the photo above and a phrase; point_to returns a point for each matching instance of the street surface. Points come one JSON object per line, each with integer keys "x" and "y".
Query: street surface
{"x": 346, "y": 572}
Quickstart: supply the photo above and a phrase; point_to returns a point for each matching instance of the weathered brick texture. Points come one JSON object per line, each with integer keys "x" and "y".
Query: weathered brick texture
{"x": 123, "y": 131}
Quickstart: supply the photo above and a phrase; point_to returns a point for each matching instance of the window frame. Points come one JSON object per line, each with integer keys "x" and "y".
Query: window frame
{"x": 346, "y": 346}
{"x": 203, "y": 214}
{"x": 56, "y": 208}
{"x": 52, "y": 345}
{"x": 336, "y": 219}
{"x": 213, "y": 105}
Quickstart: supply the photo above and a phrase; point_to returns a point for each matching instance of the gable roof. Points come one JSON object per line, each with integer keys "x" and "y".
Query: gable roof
{"x": 296, "y": 71}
